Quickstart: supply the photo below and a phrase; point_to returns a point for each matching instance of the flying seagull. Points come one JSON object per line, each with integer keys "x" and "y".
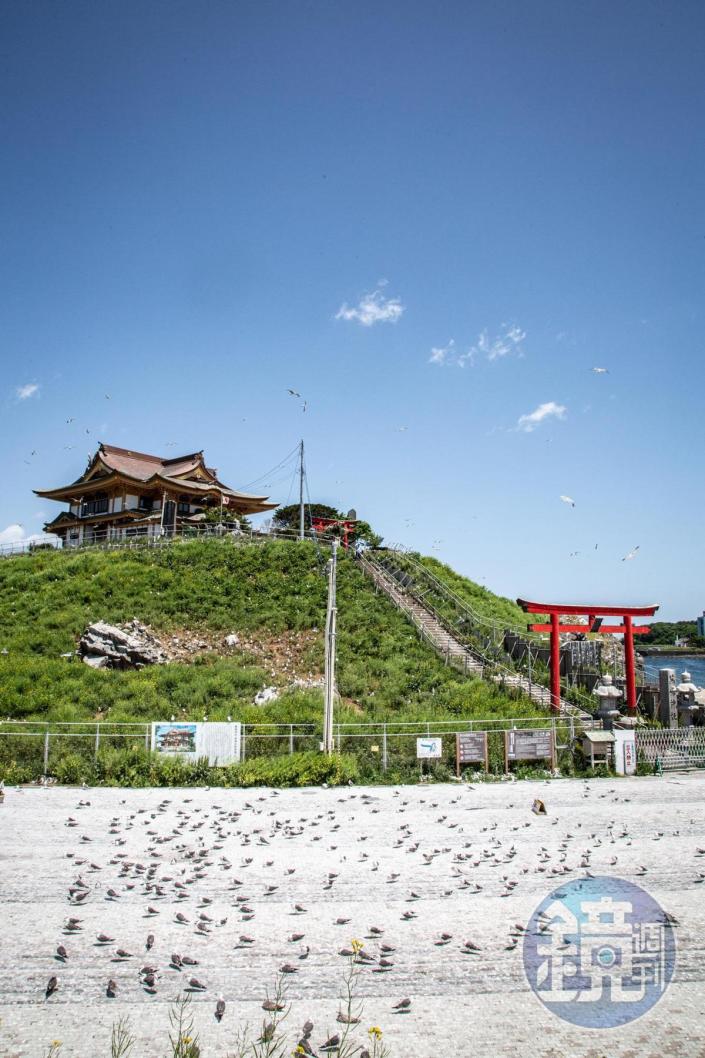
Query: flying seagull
{"x": 568, "y": 499}
{"x": 632, "y": 554}
{"x": 295, "y": 393}
{"x": 600, "y": 371}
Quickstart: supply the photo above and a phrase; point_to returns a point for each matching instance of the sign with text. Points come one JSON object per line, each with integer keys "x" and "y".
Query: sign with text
{"x": 529, "y": 745}
{"x": 624, "y": 752}
{"x": 429, "y": 748}
{"x": 220, "y": 743}
{"x": 471, "y": 748}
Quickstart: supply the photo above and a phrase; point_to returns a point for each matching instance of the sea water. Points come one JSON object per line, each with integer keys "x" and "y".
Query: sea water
{"x": 692, "y": 663}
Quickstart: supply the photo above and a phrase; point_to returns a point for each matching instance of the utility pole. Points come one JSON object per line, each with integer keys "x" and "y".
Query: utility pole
{"x": 301, "y": 493}
{"x": 329, "y": 676}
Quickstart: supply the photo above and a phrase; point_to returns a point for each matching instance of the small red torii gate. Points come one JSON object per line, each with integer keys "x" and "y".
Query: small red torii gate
{"x": 594, "y": 615}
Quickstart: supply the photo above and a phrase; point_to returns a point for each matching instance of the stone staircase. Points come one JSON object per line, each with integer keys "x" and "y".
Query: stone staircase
{"x": 455, "y": 653}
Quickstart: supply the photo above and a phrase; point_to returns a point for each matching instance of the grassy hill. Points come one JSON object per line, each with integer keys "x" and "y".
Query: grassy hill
{"x": 484, "y": 602}
{"x": 272, "y": 594}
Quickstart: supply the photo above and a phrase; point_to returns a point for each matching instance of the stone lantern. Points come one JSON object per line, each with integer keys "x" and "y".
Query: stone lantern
{"x": 687, "y": 706}
{"x": 608, "y": 697}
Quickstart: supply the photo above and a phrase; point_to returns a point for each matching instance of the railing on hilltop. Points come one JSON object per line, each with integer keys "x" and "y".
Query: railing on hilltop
{"x": 108, "y": 541}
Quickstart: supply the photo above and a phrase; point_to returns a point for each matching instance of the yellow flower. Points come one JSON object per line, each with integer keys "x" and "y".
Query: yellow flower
{"x": 186, "y": 1039}
{"x": 356, "y": 945}
{"x": 375, "y": 1032}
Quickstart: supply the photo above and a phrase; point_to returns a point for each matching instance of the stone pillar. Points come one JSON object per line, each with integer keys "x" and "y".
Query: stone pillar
{"x": 687, "y": 708}
{"x": 668, "y": 701}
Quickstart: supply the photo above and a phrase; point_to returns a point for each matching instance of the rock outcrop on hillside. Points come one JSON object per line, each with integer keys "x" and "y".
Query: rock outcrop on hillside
{"x": 130, "y": 646}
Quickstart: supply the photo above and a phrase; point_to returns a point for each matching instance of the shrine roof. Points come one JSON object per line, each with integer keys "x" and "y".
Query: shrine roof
{"x": 188, "y": 473}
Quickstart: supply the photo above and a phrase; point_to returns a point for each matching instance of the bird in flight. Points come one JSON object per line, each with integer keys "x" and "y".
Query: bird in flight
{"x": 294, "y": 393}
{"x": 568, "y": 499}
{"x": 632, "y": 554}
{"x": 600, "y": 371}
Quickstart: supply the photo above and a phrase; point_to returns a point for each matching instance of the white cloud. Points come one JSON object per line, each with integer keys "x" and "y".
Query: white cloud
{"x": 443, "y": 354}
{"x": 12, "y": 535}
{"x": 372, "y": 308}
{"x": 549, "y": 410}
{"x": 15, "y": 538}
{"x": 31, "y": 389}
{"x": 449, "y": 356}
{"x": 493, "y": 348}
{"x": 502, "y": 345}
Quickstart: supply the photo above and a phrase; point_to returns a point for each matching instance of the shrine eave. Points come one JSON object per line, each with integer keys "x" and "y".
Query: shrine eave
{"x": 78, "y": 489}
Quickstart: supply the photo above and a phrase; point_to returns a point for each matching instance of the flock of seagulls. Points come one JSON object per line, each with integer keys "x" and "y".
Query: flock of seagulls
{"x": 176, "y": 895}
{"x": 571, "y": 503}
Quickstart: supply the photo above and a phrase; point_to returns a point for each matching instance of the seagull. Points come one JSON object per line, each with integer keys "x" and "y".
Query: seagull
{"x": 402, "y": 1006}
{"x": 219, "y": 1009}
{"x": 52, "y": 986}
{"x": 568, "y": 499}
{"x": 632, "y": 554}
{"x": 295, "y": 393}
{"x": 600, "y": 371}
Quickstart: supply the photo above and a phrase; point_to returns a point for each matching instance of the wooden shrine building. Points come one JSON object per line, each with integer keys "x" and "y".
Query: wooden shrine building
{"x": 125, "y": 493}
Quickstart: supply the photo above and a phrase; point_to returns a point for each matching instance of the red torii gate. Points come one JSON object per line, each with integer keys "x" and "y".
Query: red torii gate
{"x": 347, "y": 527}
{"x": 595, "y": 615}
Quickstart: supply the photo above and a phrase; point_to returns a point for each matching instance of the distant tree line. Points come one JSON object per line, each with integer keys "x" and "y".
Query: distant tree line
{"x": 665, "y": 633}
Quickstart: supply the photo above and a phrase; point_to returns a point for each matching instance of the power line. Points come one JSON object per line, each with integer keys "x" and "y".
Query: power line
{"x": 272, "y": 470}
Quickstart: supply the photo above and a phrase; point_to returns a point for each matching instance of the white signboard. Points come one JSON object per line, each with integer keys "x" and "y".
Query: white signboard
{"x": 624, "y": 752}
{"x": 219, "y": 743}
{"x": 429, "y": 748}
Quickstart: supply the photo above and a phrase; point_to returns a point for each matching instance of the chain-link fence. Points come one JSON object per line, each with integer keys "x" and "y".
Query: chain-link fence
{"x": 44, "y": 748}
{"x": 674, "y": 748}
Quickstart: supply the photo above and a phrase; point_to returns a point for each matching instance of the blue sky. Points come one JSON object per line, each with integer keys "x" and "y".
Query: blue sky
{"x": 499, "y": 197}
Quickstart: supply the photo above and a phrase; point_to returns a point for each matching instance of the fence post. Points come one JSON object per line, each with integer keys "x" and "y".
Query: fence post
{"x": 243, "y": 742}
{"x": 147, "y": 739}
{"x": 291, "y": 738}
{"x": 384, "y": 747}
{"x": 46, "y": 751}
{"x": 97, "y": 740}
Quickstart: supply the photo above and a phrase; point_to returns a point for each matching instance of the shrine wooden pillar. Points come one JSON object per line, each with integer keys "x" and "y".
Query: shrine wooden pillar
{"x": 629, "y": 664}
{"x": 555, "y": 662}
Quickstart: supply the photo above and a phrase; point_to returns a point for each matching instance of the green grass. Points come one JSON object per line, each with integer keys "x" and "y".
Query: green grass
{"x": 384, "y": 669}
{"x": 385, "y": 672}
{"x": 485, "y": 603}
